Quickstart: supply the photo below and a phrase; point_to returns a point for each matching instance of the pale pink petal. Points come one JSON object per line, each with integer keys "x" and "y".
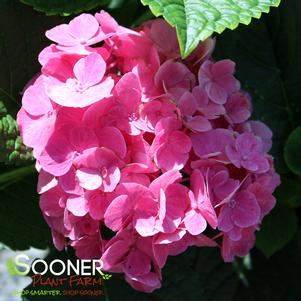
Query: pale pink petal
{"x": 35, "y": 101}
{"x": 90, "y": 70}
{"x": 61, "y": 35}
{"x": 88, "y": 178}
{"x": 110, "y": 182}
{"x": 77, "y": 205}
{"x": 35, "y": 131}
{"x": 66, "y": 96}
{"x": 145, "y": 224}
{"x": 83, "y": 27}
{"x": 194, "y": 222}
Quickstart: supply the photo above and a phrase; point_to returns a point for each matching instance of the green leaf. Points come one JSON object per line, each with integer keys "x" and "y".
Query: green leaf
{"x": 268, "y": 62}
{"x": 292, "y": 151}
{"x": 277, "y": 230}
{"x": 21, "y": 222}
{"x": 290, "y": 192}
{"x": 196, "y": 20}
{"x": 129, "y": 12}
{"x": 65, "y": 7}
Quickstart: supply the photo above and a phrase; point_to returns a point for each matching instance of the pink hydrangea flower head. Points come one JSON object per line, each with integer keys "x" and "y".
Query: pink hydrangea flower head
{"x": 131, "y": 139}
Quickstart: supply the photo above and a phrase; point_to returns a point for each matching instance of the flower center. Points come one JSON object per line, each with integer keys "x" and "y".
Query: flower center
{"x": 232, "y": 203}
{"x": 132, "y": 117}
{"x": 74, "y": 84}
{"x": 82, "y": 41}
{"x": 104, "y": 172}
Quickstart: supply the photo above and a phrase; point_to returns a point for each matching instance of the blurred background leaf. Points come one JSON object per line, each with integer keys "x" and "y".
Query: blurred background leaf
{"x": 65, "y": 7}
{"x": 292, "y": 151}
{"x": 277, "y": 229}
{"x": 21, "y": 222}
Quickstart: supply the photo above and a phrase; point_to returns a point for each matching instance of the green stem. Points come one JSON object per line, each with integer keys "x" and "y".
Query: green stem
{"x": 17, "y": 173}
{"x": 105, "y": 290}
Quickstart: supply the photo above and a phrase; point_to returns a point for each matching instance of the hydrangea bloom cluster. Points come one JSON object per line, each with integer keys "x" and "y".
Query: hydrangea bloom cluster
{"x": 139, "y": 152}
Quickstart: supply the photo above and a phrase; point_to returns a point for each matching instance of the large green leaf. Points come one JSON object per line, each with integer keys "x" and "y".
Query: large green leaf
{"x": 292, "y": 151}
{"x": 64, "y": 7}
{"x": 196, "y": 20}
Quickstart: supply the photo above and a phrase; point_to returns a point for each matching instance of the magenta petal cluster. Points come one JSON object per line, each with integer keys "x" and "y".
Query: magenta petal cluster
{"x": 139, "y": 152}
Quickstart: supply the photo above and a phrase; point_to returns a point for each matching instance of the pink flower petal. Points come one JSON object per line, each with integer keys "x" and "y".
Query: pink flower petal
{"x": 194, "y": 222}
{"x": 77, "y": 205}
{"x": 117, "y": 213}
{"x": 83, "y": 27}
{"x": 90, "y": 70}
{"x": 247, "y": 211}
{"x": 88, "y": 178}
